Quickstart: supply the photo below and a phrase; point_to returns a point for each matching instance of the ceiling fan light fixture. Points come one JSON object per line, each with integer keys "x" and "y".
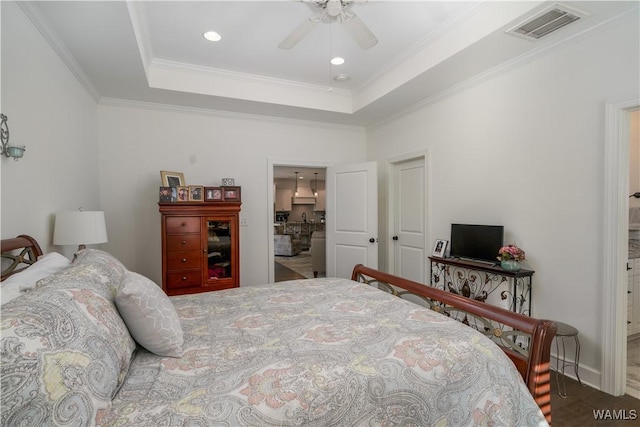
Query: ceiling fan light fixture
{"x": 212, "y": 36}
{"x": 337, "y": 60}
{"x": 334, "y": 7}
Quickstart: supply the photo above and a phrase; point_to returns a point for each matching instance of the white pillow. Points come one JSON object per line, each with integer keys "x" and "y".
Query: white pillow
{"x": 150, "y": 315}
{"x": 46, "y": 265}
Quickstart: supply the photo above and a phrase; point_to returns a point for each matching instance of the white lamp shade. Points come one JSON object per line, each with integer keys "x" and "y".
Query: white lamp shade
{"x": 80, "y": 228}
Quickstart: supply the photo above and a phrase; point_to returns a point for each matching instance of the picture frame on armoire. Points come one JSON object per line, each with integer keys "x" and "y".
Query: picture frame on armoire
{"x": 167, "y": 194}
{"x": 183, "y": 193}
{"x": 172, "y": 179}
{"x": 231, "y": 194}
{"x": 196, "y": 193}
{"x": 213, "y": 194}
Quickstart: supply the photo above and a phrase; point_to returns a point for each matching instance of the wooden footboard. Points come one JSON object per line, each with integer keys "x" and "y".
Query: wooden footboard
{"x": 525, "y": 340}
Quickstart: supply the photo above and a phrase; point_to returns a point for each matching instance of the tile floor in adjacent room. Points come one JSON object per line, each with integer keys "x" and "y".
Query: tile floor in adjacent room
{"x": 633, "y": 367}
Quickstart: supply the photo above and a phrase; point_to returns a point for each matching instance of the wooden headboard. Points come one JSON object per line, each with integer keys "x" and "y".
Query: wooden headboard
{"x": 18, "y": 254}
{"x": 525, "y": 340}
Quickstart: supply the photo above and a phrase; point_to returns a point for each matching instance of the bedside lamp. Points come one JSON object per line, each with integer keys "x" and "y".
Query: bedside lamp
{"x": 79, "y": 228}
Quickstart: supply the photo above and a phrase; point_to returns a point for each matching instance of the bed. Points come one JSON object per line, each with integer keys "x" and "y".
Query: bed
{"x": 319, "y": 352}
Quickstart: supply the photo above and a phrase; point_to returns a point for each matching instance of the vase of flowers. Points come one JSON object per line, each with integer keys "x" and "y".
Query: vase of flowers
{"x": 510, "y": 257}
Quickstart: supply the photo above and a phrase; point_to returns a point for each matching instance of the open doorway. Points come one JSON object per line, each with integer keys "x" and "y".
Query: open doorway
{"x": 633, "y": 264}
{"x": 613, "y": 378}
{"x": 299, "y": 214}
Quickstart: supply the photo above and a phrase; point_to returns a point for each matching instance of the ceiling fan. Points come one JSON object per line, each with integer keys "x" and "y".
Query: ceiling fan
{"x": 332, "y": 10}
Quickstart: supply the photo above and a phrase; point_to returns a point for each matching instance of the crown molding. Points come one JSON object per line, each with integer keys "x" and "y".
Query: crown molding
{"x": 243, "y": 77}
{"x": 140, "y": 105}
{"x": 510, "y": 65}
{"x": 34, "y": 14}
{"x": 141, "y": 33}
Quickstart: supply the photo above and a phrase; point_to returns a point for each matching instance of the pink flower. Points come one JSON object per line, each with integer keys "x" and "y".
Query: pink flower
{"x": 510, "y": 252}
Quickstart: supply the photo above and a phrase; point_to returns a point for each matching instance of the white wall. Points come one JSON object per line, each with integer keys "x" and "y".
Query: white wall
{"x": 525, "y": 149}
{"x": 52, "y": 114}
{"x": 137, "y": 143}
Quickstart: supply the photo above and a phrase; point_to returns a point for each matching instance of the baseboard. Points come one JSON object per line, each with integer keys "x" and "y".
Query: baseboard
{"x": 588, "y": 376}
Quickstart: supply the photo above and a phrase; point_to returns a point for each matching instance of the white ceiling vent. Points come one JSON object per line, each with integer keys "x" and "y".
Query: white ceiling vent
{"x": 545, "y": 22}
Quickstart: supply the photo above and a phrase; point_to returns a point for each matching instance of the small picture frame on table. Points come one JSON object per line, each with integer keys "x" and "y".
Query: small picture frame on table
{"x": 196, "y": 193}
{"x": 182, "y": 193}
{"x": 231, "y": 194}
{"x": 172, "y": 179}
{"x": 439, "y": 248}
{"x": 213, "y": 194}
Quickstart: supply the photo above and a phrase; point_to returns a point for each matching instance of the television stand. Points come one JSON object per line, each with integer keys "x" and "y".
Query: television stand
{"x": 483, "y": 281}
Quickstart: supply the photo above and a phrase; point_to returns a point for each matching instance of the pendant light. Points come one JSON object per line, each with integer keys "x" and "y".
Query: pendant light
{"x": 315, "y": 185}
{"x": 296, "y": 193}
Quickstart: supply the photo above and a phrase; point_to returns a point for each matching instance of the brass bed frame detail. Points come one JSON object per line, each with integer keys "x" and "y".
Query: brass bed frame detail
{"x": 525, "y": 340}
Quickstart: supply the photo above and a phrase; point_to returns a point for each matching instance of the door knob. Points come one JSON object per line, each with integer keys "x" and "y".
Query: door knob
{"x": 372, "y": 240}
{"x": 395, "y": 237}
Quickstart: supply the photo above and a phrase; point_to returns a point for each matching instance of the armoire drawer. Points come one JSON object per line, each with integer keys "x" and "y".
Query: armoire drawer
{"x": 185, "y": 242}
{"x": 184, "y": 279}
{"x": 182, "y": 224}
{"x": 184, "y": 260}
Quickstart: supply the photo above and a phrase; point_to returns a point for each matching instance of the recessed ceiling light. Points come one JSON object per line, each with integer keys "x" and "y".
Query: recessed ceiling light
{"x": 341, "y": 78}
{"x": 337, "y": 61}
{"x": 212, "y": 36}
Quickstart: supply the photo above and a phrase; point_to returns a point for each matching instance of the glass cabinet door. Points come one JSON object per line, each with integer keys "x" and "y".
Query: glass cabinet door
{"x": 219, "y": 250}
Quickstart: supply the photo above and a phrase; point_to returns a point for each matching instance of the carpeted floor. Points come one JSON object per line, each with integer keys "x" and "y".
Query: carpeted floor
{"x": 300, "y": 263}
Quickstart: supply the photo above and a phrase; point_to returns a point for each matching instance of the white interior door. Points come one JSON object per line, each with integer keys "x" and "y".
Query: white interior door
{"x": 352, "y": 218}
{"x": 408, "y": 204}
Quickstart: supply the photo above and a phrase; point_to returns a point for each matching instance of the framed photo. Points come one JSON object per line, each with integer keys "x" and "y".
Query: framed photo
{"x": 182, "y": 194}
{"x": 196, "y": 193}
{"x": 213, "y": 194}
{"x": 440, "y": 247}
{"x": 172, "y": 179}
{"x": 231, "y": 194}
{"x": 167, "y": 194}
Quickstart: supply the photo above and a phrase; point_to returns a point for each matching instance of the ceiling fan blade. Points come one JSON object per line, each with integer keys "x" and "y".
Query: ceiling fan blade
{"x": 298, "y": 34}
{"x": 359, "y": 31}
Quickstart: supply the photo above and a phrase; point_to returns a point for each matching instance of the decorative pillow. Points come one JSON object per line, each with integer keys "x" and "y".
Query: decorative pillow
{"x": 25, "y": 280}
{"x": 91, "y": 269}
{"x": 150, "y": 315}
{"x": 65, "y": 353}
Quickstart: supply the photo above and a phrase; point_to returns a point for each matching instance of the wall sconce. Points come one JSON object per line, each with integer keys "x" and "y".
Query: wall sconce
{"x": 15, "y": 151}
{"x": 79, "y": 228}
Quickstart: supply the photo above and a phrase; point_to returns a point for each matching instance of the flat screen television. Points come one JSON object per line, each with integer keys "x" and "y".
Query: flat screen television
{"x": 476, "y": 242}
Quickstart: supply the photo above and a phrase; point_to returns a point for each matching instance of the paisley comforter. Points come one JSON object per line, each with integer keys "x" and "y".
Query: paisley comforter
{"x": 322, "y": 352}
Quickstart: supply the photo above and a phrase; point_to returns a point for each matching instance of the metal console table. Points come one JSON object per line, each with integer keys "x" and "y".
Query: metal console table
{"x": 479, "y": 281}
